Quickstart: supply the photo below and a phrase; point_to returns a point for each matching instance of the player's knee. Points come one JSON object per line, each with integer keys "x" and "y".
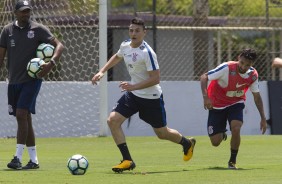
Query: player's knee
{"x": 21, "y": 115}
{"x": 215, "y": 140}
{"x": 236, "y": 130}
{"x": 215, "y": 143}
{"x": 114, "y": 121}
{"x": 110, "y": 122}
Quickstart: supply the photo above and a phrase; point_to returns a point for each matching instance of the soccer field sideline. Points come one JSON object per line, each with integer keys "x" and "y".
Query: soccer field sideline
{"x": 157, "y": 161}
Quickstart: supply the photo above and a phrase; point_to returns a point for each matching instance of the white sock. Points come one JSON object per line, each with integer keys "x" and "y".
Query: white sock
{"x": 32, "y": 154}
{"x": 19, "y": 151}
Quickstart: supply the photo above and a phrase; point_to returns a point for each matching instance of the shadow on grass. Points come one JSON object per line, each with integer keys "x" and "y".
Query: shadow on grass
{"x": 148, "y": 172}
{"x": 22, "y": 170}
{"x": 184, "y": 170}
{"x": 225, "y": 168}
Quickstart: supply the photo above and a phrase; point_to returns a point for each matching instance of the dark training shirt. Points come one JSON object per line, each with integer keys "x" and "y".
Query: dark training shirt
{"x": 21, "y": 44}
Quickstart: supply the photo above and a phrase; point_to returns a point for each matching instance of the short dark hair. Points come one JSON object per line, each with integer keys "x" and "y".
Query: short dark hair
{"x": 249, "y": 54}
{"x": 138, "y": 21}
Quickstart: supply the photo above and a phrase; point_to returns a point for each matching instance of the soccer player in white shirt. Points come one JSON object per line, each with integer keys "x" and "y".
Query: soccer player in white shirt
{"x": 142, "y": 94}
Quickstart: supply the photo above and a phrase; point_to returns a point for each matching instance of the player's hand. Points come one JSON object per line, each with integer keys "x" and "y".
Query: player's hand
{"x": 126, "y": 86}
{"x": 207, "y": 103}
{"x": 45, "y": 69}
{"x": 97, "y": 78}
{"x": 263, "y": 125}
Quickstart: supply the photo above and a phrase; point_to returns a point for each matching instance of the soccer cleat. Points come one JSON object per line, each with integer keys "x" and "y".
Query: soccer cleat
{"x": 232, "y": 165}
{"x": 189, "y": 152}
{"x": 31, "y": 165}
{"x": 224, "y": 136}
{"x": 124, "y": 165}
{"x": 15, "y": 164}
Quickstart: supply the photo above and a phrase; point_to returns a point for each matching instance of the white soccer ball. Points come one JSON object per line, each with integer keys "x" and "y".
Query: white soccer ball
{"x": 78, "y": 164}
{"x": 34, "y": 67}
{"x": 45, "y": 51}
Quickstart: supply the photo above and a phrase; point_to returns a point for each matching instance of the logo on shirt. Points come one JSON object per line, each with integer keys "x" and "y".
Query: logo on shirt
{"x": 240, "y": 85}
{"x": 30, "y": 34}
{"x": 233, "y": 73}
{"x": 134, "y": 57}
{"x": 12, "y": 42}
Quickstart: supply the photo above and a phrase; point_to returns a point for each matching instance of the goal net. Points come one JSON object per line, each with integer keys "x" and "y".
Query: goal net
{"x": 67, "y": 105}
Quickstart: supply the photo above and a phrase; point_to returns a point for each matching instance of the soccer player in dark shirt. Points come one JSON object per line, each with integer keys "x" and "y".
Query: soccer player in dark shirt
{"x": 19, "y": 40}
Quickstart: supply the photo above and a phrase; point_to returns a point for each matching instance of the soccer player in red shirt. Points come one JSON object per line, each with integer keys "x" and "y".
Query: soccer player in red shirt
{"x": 224, "y": 97}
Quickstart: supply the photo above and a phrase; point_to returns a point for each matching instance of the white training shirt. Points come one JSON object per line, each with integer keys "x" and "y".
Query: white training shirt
{"x": 139, "y": 61}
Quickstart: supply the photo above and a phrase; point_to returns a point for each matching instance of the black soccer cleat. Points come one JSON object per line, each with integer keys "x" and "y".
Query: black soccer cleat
{"x": 15, "y": 164}
{"x": 31, "y": 165}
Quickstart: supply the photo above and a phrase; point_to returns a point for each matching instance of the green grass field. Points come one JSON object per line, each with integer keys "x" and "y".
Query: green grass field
{"x": 158, "y": 161}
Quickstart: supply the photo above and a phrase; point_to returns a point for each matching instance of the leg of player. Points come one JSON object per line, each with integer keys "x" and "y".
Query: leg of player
{"x": 218, "y": 138}
{"x": 30, "y": 144}
{"x": 115, "y": 121}
{"x": 174, "y": 136}
{"x": 235, "y": 142}
{"x": 21, "y": 116}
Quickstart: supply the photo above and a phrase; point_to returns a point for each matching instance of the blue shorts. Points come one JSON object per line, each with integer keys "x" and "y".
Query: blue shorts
{"x": 23, "y": 96}
{"x": 152, "y": 111}
{"x": 217, "y": 119}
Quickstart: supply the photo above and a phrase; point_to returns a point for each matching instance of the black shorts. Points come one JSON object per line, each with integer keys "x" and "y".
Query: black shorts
{"x": 152, "y": 111}
{"x": 217, "y": 119}
{"x": 23, "y": 96}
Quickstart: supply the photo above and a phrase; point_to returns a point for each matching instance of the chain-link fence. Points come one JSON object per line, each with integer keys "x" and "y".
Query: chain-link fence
{"x": 67, "y": 103}
{"x": 191, "y": 37}
{"x": 72, "y": 22}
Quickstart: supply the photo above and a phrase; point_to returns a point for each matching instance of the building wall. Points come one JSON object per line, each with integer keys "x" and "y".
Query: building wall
{"x": 69, "y": 109}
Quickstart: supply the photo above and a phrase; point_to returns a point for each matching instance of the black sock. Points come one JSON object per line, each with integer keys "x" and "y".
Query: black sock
{"x": 124, "y": 151}
{"x": 233, "y": 156}
{"x": 185, "y": 143}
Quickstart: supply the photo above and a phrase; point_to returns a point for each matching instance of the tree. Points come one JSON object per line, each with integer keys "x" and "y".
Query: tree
{"x": 200, "y": 39}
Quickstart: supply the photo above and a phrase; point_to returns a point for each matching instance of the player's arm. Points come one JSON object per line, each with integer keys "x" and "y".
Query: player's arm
{"x": 204, "y": 87}
{"x": 2, "y": 55}
{"x": 277, "y": 63}
{"x": 204, "y": 84}
{"x": 218, "y": 73}
{"x": 254, "y": 88}
{"x": 115, "y": 59}
{"x": 154, "y": 78}
{"x": 259, "y": 104}
{"x": 58, "y": 50}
